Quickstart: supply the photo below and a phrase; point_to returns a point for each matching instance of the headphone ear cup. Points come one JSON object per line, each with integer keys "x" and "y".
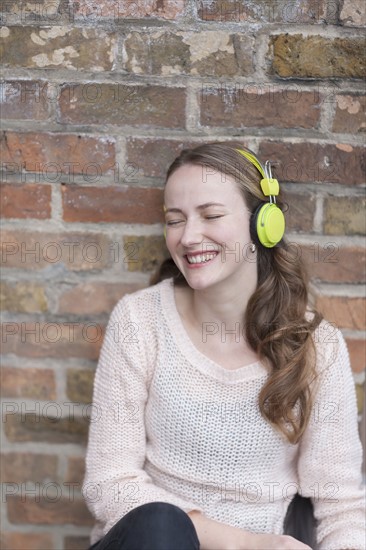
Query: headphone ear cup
{"x": 268, "y": 224}
{"x": 253, "y": 223}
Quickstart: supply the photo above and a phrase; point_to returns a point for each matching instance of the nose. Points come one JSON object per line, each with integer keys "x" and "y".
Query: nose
{"x": 192, "y": 234}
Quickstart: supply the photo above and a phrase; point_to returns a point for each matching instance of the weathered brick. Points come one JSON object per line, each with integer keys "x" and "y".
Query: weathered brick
{"x": 47, "y": 426}
{"x": 344, "y": 215}
{"x": 205, "y": 53}
{"x": 123, "y": 104}
{"x": 25, "y": 201}
{"x": 25, "y": 100}
{"x": 49, "y": 510}
{"x": 76, "y": 543}
{"x": 11, "y": 540}
{"x": 299, "y": 209}
{"x": 97, "y": 298}
{"x": 254, "y": 107}
{"x": 345, "y": 312}
{"x": 353, "y": 13}
{"x": 350, "y": 114}
{"x": 333, "y": 263}
{"x": 153, "y": 156}
{"x": 272, "y": 11}
{"x": 52, "y": 339}
{"x": 30, "y": 382}
{"x": 357, "y": 352}
{"x": 360, "y": 396}
{"x": 23, "y": 467}
{"x": 79, "y": 385}
{"x": 33, "y": 10}
{"x": 74, "y": 251}
{"x": 89, "y": 10}
{"x": 24, "y": 297}
{"x": 121, "y": 204}
{"x": 57, "y": 157}
{"x": 75, "y": 470}
{"x": 58, "y": 47}
{"x": 145, "y": 253}
{"x": 315, "y": 162}
{"x": 299, "y": 56}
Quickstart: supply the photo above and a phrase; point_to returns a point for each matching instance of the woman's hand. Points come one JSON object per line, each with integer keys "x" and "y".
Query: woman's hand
{"x": 274, "y": 542}
{"x": 214, "y": 535}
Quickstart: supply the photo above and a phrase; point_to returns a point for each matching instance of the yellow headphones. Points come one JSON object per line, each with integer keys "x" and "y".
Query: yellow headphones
{"x": 267, "y": 224}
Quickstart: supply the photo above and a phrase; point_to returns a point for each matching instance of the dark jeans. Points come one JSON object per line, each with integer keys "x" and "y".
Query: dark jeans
{"x": 151, "y": 526}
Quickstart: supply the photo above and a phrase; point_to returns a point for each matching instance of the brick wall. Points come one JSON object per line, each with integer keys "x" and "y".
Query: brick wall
{"x": 98, "y": 98}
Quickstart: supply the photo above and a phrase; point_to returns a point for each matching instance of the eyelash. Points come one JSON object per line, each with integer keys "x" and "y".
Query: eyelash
{"x": 207, "y": 218}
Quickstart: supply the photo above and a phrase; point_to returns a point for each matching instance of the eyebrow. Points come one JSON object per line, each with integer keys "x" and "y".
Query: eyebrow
{"x": 200, "y": 207}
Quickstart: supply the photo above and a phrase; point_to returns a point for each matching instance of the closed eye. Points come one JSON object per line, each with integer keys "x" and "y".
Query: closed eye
{"x": 179, "y": 221}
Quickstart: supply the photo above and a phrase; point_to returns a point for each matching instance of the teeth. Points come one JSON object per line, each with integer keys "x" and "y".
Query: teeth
{"x": 200, "y": 258}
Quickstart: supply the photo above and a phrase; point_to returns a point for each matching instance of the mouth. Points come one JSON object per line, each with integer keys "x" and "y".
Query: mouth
{"x": 200, "y": 259}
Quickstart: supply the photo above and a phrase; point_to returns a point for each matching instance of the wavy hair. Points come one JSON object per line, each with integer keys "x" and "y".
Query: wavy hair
{"x": 278, "y": 322}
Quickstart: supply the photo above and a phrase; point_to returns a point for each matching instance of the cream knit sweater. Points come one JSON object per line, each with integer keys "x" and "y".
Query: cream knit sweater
{"x": 170, "y": 424}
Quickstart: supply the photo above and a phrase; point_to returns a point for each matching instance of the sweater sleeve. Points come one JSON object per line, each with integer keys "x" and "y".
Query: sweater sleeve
{"x": 115, "y": 481}
{"x": 330, "y": 456}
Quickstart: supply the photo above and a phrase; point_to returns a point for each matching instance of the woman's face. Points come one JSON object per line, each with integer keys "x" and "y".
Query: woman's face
{"x": 207, "y": 228}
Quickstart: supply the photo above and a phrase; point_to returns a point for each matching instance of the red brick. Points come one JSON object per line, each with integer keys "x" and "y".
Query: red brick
{"x": 25, "y": 201}
{"x": 315, "y": 162}
{"x": 299, "y": 210}
{"x": 57, "y": 157}
{"x": 64, "y": 510}
{"x": 333, "y": 263}
{"x": 58, "y": 47}
{"x": 75, "y": 470}
{"x": 281, "y": 11}
{"x": 350, "y": 114}
{"x": 298, "y": 56}
{"x": 345, "y": 312}
{"x": 47, "y": 425}
{"x": 26, "y": 541}
{"x": 121, "y": 204}
{"x": 357, "y": 352}
{"x": 75, "y": 251}
{"x": 23, "y": 467}
{"x": 123, "y": 104}
{"x": 26, "y": 100}
{"x": 90, "y": 11}
{"x": 53, "y": 339}
{"x": 96, "y": 298}
{"x": 29, "y": 382}
{"x": 153, "y": 156}
{"x": 252, "y": 106}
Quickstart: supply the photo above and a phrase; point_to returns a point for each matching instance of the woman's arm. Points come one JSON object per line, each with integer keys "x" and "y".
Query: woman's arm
{"x": 330, "y": 453}
{"x": 115, "y": 481}
{"x": 214, "y": 535}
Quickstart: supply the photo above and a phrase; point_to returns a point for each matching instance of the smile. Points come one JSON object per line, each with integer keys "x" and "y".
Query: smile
{"x": 201, "y": 258}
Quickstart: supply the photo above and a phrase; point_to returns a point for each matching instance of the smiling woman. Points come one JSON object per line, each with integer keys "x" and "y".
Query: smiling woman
{"x": 229, "y": 382}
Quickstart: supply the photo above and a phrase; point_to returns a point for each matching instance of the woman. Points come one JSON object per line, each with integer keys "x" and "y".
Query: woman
{"x": 219, "y": 395}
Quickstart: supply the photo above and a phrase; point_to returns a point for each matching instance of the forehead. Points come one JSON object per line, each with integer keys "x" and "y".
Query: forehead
{"x": 202, "y": 181}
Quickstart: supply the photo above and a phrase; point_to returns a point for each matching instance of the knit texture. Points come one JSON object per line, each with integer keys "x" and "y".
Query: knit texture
{"x": 171, "y": 425}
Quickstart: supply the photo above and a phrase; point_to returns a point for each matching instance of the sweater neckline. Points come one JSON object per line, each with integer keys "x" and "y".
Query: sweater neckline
{"x": 189, "y": 350}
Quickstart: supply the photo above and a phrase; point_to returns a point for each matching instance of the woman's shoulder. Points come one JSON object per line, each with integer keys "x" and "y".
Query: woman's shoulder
{"x": 142, "y": 303}
{"x": 330, "y": 345}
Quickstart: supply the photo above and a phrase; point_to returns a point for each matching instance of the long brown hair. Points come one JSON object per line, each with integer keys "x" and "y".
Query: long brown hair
{"x": 278, "y": 322}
